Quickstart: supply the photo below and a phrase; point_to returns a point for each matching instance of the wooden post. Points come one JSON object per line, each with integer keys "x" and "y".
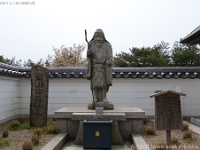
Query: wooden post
{"x": 168, "y": 139}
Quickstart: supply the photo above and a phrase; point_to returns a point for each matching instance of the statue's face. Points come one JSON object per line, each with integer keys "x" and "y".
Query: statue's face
{"x": 99, "y": 38}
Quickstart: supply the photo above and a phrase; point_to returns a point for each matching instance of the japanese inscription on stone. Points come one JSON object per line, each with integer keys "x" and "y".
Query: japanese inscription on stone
{"x": 168, "y": 112}
{"x": 39, "y": 96}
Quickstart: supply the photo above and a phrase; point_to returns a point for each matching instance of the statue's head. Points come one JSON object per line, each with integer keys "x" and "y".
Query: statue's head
{"x": 99, "y": 37}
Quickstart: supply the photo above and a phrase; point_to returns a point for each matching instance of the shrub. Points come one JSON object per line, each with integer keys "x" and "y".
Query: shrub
{"x": 54, "y": 119}
{"x": 146, "y": 120}
{"x": 161, "y": 146}
{"x": 27, "y": 145}
{"x": 5, "y": 133}
{"x": 174, "y": 141}
{"x": 4, "y": 143}
{"x": 51, "y": 129}
{"x": 187, "y": 134}
{"x": 37, "y": 132}
{"x": 185, "y": 126}
{"x": 21, "y": 120}
{"x": 149, "y": 130}
{"x": 35, "y": 139}
{"x": 16, "y": 125}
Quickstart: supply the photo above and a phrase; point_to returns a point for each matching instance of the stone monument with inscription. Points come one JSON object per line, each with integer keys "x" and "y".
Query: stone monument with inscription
{"x": 168, "y": 114}
{"x": 99, "y": 70}
{"x": 39, "y": 96}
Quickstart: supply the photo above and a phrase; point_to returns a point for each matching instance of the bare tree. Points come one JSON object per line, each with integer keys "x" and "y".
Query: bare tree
{"x": 69, "y": 56}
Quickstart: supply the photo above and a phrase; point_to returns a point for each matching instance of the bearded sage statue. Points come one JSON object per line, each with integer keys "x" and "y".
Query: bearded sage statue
{"x": 99, "y": 70}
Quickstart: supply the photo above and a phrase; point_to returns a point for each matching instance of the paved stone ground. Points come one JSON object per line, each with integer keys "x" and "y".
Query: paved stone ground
{"x": 127, "y": 146}
{"x": 71, "y": 146}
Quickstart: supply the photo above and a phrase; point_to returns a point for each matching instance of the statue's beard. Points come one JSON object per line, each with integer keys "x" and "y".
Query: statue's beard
{"x": 99, "y": 43}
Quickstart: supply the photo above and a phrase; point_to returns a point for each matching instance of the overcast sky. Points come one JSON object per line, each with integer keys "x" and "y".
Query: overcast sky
{"x": 31, "y": 31}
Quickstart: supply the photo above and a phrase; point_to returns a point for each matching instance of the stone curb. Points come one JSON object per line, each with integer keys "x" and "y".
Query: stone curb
{"x": 194, "y": 128}
{"x": 57, "y": 142}
{"x": 195, "y": 121}
{"x": 139, "y": 142}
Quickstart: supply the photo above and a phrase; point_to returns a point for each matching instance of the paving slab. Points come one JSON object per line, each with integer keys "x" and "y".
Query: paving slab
{"x": 71, "y": 146}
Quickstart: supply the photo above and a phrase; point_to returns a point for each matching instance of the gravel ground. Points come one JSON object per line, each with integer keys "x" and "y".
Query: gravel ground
{"x": 155, "y": 141}
{"x": 17, "y": 138}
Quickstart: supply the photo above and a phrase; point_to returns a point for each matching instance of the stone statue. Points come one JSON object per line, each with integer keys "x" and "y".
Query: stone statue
{"x": 99, "y": 71}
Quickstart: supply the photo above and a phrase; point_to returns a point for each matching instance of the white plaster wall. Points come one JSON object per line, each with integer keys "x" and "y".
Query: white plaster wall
{"x": 24, "y": 93}
{"x": 68, "y": 92}
{"x": 8, "y": 97}
{"x": 123, "y": 93}
{"x": 136, "y": 92}
{"x": 62, "y": 93}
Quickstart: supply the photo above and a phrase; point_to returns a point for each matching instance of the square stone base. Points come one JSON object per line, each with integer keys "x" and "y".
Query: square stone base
{"x": 67, "y": 120}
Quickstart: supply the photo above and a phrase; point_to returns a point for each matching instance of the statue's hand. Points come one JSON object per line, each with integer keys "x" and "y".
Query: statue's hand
{"x": 89, "y": 53}
{"x": 108, "y": 63}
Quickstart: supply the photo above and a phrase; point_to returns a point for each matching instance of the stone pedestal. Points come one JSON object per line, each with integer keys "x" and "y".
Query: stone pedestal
{"x": 115, "y": 117}
{"x": 126, "y": 120}
{"x": 105, "y": 105}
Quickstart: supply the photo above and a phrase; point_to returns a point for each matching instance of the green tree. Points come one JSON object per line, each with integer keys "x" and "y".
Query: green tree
{"x": 183, "y": 55}
{"x": 1, "y": 58}
{"x": 49, "y": 61}
{"x": 158, "y": 55}
{"x": 12, "y": 61}
{"x": 30, "y": 63}
{"x": 122, "y": 59}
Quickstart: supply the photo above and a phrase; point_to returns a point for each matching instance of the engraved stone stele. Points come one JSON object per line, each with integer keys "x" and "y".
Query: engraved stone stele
{"x": 99, "y": 70}
{"x": 39, "y": 96}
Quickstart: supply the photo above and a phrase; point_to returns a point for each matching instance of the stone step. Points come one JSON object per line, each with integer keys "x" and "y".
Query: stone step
{"x": 57, "y": 142}
{"x": 139, "y": 142}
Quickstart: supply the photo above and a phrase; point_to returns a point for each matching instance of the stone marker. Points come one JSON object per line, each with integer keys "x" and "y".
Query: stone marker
{"x": 39, "y": 96}
{"x": 168, "y": 115}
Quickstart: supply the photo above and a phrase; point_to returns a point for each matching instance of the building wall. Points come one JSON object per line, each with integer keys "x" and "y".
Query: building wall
{"x": 70, "y": 92}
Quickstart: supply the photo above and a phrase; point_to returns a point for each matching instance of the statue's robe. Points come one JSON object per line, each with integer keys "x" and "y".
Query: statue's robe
{"x": 100, "y": 65}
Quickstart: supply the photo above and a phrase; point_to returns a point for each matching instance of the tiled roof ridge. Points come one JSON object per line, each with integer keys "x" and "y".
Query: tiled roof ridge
{"x": 118, "y": 72}
{"x": 195, "y": 31}
{"x": 192, "y": 38}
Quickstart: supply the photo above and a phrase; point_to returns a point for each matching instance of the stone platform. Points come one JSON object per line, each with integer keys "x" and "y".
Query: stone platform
{"x": 126, "y": 120}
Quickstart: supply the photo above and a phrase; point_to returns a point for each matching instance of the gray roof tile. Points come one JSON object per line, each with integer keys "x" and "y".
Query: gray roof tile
{"x": 118, "y": 72}
{"x": 193, "y": 37}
